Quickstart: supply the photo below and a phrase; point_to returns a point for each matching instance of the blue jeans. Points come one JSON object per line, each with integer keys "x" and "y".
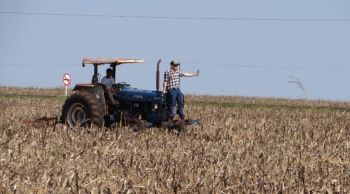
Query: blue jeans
{"x": 176, "y": 96}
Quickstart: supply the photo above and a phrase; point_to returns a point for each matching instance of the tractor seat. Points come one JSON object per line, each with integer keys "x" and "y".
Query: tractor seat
{"x": 108, "y": 95}
{"x": 94, "y": 79}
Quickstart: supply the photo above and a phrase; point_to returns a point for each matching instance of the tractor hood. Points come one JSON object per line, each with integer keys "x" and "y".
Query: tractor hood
{"x": 134, "y": 94}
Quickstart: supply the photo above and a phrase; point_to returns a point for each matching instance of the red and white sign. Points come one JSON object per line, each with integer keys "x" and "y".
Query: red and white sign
{"x": 66, "y": 79}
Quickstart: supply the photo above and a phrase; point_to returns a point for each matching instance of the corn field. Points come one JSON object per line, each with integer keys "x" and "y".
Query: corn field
{"x": 244, "y": 145}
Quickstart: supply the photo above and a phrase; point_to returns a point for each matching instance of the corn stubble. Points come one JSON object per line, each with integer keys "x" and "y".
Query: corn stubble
{"x": 236, "y": 150}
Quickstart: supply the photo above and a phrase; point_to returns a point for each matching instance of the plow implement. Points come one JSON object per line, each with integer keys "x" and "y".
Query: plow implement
{"x": 135, "y": 124}
{"x": 43, "y": 121}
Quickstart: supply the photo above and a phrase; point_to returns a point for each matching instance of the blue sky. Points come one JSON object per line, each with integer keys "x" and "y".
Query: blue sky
{"x": 250, "y": 57}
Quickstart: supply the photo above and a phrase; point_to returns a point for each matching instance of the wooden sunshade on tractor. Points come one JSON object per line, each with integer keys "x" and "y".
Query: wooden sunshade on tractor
{"x": 113, "y": 62}
{"x": 102, "y": 61}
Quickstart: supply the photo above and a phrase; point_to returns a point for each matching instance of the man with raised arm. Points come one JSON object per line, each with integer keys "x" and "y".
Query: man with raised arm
{"x": 171, "y": 87}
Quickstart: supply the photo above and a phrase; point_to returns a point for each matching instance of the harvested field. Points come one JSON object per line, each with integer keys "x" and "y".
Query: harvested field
{"x": 245, "y": 145}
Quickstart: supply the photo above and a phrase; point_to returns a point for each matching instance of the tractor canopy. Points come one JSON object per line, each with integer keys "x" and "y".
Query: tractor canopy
{"x": 112, "y": 61}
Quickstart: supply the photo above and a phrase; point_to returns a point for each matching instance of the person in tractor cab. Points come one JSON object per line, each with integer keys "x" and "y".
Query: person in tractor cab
{"x": 108, "y": 80}
{"x": 171, "y": 87}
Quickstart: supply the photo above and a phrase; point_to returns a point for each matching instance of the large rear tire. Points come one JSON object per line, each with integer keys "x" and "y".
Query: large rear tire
{"x": 82, "y": 109}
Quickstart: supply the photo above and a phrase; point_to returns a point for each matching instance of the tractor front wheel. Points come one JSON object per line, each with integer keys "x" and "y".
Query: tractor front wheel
{"x": 82, "y": 109}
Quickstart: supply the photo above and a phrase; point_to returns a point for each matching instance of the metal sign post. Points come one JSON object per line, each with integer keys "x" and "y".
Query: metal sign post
{"x": 66, "y": 81}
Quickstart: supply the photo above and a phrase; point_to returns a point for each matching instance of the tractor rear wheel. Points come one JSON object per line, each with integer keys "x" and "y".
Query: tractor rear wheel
{"x": 82, "y": 109}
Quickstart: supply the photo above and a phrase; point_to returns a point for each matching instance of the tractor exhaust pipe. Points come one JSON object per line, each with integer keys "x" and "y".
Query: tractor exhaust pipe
{"x": 158, "y": 75}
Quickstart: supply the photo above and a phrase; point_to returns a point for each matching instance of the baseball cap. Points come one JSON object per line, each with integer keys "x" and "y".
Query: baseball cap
{"x": 174, "y": 63}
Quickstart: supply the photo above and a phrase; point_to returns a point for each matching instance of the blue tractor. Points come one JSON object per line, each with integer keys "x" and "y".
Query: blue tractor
{"x": 95, "y": 104}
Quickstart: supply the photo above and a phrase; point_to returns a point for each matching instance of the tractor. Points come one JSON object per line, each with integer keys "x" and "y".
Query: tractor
{"x": 95, "y": 104}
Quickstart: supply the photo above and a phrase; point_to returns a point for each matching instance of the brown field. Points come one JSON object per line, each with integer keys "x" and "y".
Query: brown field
{"x": 245, "y": 145}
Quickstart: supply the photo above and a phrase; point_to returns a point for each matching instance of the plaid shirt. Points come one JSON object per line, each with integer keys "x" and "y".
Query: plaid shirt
{"x": 172, "y": 78}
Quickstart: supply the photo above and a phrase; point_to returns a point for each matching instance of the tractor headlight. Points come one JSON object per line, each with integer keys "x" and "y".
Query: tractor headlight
{"x": 155, "y": 106}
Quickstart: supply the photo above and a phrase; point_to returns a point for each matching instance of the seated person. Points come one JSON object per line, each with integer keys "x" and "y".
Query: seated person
{"x": 108, "y": 80}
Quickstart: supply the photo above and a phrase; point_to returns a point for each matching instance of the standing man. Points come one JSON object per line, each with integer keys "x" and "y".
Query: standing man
{"x": 171, "y": 86}
{"x": 108, "y": 80}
